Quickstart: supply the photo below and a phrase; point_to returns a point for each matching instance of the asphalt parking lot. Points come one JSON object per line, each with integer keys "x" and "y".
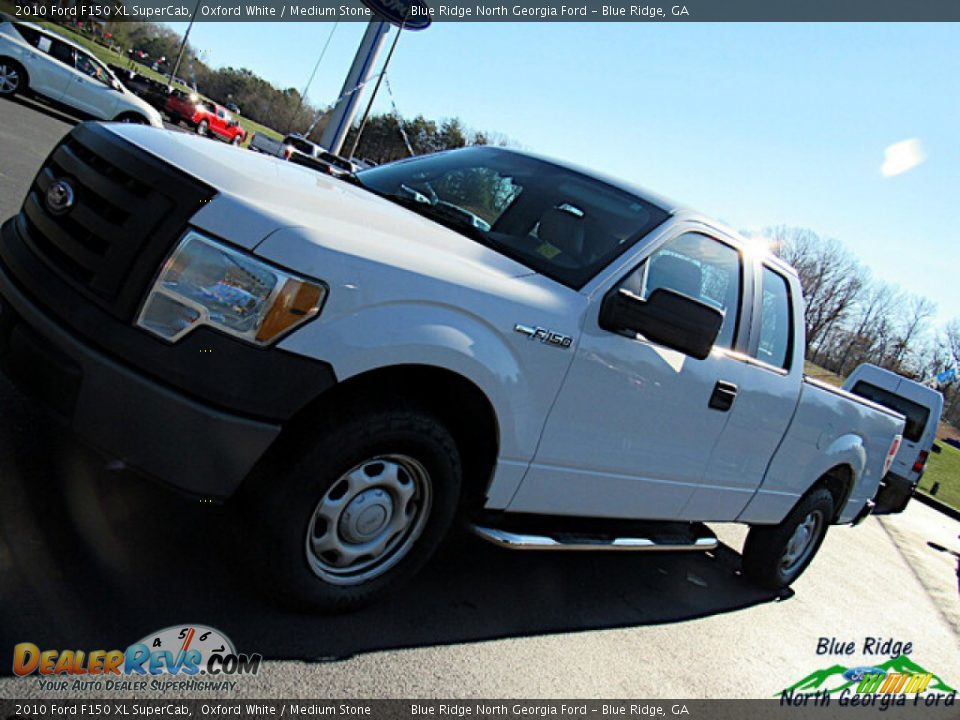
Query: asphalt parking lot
{"x": 94, "y": 556}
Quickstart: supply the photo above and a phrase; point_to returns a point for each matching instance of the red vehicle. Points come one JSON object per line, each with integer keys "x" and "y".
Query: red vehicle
{"x": 207, "y": 119}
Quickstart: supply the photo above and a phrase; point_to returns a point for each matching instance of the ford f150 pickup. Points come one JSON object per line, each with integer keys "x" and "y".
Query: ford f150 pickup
{"x": 561, "y": 359}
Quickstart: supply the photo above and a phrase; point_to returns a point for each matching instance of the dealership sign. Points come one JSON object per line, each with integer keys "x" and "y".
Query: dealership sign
{"x": 410, "y": 14}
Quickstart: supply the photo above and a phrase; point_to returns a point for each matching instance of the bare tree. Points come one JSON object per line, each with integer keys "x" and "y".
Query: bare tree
{"x": 876, "y": 305}
{"x": 831, "y": 277}
{"x": 919, "y": 312}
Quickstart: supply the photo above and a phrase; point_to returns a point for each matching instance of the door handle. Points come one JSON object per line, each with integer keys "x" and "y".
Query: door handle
{"x": 724, "y": 393}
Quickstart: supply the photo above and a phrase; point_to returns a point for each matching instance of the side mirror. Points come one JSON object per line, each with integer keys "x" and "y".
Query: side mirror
{"x": 115, "y": 84}
{"x": 666, "y": 317}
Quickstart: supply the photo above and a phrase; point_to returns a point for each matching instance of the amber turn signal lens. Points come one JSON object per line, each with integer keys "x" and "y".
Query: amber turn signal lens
{"x": 297, "y": 302}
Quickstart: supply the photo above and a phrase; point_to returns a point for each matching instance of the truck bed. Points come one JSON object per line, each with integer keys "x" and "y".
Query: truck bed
{"x": 818, "y": 441}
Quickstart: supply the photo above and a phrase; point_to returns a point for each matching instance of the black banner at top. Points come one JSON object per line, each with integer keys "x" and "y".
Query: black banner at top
{"x": 440, "y": 11}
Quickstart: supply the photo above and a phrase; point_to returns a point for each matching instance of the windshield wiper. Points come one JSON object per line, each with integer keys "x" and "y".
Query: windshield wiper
{"x": 445, "y": 216}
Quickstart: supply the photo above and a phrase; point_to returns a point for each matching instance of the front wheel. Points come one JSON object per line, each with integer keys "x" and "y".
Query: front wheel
{"x": 202, "y": 127}
{"x": 776, "y": 555}
{"x": 133, "y": 118}
{"x": 236, "y": 140}
{"x": 355, "y": 513}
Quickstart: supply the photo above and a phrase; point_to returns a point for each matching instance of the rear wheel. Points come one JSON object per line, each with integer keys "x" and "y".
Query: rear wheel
{"x": 13, "y": 78}
{"x": 175, "y": 119}
{"x": 776, "y": 555}
{"x": 203, "y": 127}
{"x": 340, "y": 521}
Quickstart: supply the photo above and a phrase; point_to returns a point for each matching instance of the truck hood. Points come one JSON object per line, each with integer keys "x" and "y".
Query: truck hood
{"x": 259, "y": 195}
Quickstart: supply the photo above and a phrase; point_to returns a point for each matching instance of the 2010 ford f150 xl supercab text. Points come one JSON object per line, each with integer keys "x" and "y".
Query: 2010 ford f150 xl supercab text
{"x": 561, "y": 359}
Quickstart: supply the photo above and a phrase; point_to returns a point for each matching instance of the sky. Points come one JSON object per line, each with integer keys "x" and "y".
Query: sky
{"x": 850, "y": 130}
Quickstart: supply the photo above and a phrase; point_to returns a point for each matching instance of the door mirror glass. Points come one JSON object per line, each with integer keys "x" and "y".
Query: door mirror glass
{"x": 667, "y": 318}
{"x": 699, "y": 267}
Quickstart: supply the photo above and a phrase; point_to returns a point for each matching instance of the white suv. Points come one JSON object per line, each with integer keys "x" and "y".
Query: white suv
{"x": 43, "y": 63}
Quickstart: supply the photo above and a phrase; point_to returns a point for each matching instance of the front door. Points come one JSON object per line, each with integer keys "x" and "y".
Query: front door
{"x": 632, "y": 431}
{"x": 89, "y": 90}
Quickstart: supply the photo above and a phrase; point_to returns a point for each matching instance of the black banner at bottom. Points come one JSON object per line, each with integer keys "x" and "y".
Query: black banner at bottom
{"x": 820, "y": 707}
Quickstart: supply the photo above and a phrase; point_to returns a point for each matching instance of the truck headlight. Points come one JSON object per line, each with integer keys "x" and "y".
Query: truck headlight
{"x": 207, "y": 283}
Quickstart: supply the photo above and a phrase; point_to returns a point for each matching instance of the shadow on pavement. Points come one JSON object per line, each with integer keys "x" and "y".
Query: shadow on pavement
{"x": 48, "y": 110}
{"x": 94, "y": 558}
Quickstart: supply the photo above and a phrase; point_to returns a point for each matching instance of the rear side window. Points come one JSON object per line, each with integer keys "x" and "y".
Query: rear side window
{"x": 776, "y": 326}
{"x": 917, "y": 415}
{"x": 28, "y": 33}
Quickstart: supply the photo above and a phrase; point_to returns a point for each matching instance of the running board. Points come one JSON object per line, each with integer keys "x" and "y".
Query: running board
{"x": 570, "y": 541}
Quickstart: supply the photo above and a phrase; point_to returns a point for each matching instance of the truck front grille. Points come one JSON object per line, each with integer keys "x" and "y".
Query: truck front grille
{"x": 129, "y": 208}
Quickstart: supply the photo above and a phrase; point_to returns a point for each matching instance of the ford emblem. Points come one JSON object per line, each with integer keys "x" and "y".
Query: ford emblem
{"x": 60, "y": 197}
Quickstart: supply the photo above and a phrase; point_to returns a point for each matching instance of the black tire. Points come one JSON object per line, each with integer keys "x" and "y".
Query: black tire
{"x": 132, "y": 118}
{"x": 282, "y": 501}
{"x": 175, "y": 120}
{"x": 13, "y": 78}
{"x": 236, "y": 140}
{"x": 203, "y": 128}
{"x": 768, "y": 558}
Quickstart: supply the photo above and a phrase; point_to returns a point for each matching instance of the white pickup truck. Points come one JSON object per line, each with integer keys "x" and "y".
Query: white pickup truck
{"x": 561, "y": 359}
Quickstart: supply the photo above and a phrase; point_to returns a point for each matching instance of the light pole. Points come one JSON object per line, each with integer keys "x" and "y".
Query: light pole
{"x": 373, "y": 95}
{"x": 409, "y": 14}
{"x": 183, "y": 46}
{"x": 359, "y": 75}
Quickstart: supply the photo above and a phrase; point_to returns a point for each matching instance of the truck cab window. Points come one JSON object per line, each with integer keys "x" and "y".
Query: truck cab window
{"x": 775, "y": 322}
{"x": 699, "y": 267}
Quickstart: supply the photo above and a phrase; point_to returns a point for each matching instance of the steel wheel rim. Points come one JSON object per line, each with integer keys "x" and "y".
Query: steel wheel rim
{"x": 9, "y": 79}
{"x": 801, "y": 543}
{"x": 369, "y": 519}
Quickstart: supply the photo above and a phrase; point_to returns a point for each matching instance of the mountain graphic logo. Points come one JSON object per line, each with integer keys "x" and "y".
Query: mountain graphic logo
{"x": 832, "y": 680}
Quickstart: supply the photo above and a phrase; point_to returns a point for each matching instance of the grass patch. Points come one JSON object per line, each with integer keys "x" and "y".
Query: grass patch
{"x": 113, "y": 57}
{"x": 944, "y": 469}
{"x": 815, "y": 371}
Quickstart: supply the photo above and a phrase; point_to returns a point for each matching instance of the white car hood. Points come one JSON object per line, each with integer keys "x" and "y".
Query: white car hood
{"x": 259, "y": 195}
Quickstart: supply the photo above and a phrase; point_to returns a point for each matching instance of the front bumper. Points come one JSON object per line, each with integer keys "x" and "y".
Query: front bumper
{"x": 197, "y": 413}
{"x": 185, "y": 443}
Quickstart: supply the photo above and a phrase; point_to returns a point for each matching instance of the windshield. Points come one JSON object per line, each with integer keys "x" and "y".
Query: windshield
{"x": 559, "y": 222}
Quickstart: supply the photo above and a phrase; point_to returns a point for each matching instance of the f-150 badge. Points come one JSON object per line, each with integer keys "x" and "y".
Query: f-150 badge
{"x": 548, "y": 337}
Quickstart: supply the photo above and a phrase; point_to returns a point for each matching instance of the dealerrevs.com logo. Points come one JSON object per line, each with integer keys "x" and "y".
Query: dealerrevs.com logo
{"x": 180, "y": 651}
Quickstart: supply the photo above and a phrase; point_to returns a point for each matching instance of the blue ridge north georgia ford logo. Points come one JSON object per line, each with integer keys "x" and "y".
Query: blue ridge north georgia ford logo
{"x": 60, "y": 197}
